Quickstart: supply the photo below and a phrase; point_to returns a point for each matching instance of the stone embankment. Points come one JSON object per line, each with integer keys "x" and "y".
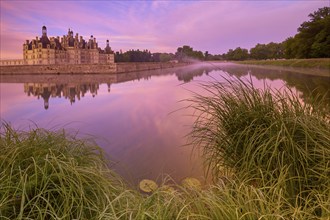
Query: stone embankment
{"x": 84, "y": 68}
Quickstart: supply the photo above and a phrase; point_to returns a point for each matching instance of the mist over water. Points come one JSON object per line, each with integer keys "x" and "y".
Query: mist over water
{"x": 138, "y": 118}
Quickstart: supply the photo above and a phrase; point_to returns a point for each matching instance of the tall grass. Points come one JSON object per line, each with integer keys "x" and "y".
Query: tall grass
{"x": 266, "y": 136}
{"x": 48, "y": 175}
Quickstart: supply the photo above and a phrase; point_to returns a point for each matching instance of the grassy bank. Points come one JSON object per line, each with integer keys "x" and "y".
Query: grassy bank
{"x": 267, "y": 138}
{"x": 269, "y": 154}
{"x": 320, "y": 63}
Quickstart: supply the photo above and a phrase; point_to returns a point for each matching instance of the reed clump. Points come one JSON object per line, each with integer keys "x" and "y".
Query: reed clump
{"x": 50, "y": 175}
{"x": 269, "y": 137}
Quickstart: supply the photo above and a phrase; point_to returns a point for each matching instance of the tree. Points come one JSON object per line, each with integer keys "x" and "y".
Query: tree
{"x": 237, "y": 54}
{"x": 165, "y": 57}
{"x": 186, "y": 53}
{"x": 290, "y": 48}
{"x": 258, "y": 52}
{"x": 206, "y": 55}
{"x": 313, "y": 37}
{"x": 267, "y": 51}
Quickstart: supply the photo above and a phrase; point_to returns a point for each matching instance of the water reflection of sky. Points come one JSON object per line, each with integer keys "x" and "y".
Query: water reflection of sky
{"x": 136, "y": 122}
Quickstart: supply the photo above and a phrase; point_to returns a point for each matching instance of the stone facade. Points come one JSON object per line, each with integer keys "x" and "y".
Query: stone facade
{"x": 68, "y": 49}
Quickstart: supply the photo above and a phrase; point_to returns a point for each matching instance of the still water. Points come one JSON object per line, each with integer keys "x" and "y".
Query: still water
{"x": 139, "y": 118}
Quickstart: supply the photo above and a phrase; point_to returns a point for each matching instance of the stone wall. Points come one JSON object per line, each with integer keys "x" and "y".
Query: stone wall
{"x": 12, "y": 62}
{"x": 84, "y": 68}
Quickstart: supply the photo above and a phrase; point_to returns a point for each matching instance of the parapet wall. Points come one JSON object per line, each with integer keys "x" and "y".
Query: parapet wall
{"x": 84, "y": 68}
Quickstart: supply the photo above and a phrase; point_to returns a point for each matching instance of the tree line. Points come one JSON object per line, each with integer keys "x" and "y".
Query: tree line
{"x": 142, "y": 56}
{"x": 311, "y": 41}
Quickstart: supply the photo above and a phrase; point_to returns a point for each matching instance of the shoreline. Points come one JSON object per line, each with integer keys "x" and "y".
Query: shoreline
{"x": 68, "y": 69}
{"x": 299, "y": 70}
{"x": 311, "y": 71}
{"x": 320, "y": 63}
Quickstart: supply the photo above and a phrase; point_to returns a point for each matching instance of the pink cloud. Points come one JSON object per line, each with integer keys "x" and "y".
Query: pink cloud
{"x": 215, "y": 26}
{"x": 219, "y": 26}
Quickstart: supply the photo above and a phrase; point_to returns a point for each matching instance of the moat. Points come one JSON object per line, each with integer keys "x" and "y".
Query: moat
{"x": 138, "y": 118}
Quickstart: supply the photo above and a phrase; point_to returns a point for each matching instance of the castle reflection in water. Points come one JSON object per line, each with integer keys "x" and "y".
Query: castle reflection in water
{"x": 74, "y": 87}
{"x": 70, "y": 91}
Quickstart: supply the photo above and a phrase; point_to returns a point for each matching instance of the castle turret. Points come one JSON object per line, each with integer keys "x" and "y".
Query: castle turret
{"x": 107, "y": 49}
{"x": 44, "y": 41}
{"x": 44, "y": 31}
{"x": 70, "y": 33}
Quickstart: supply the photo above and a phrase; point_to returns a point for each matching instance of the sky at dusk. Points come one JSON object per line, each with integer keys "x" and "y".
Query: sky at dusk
{"x": 159, "y": 26}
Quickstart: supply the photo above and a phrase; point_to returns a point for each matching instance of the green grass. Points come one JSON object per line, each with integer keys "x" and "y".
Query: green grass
{"x": 269, "y": 154}
{"x": 47, "y": 175}
{"x": 321, "y": 63}
{"x": 269, "y": 138}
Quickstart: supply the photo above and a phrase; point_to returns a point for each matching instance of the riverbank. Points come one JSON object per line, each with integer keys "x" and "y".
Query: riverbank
{"x": 85, "y": 68}
{"x": 319, "y": 63}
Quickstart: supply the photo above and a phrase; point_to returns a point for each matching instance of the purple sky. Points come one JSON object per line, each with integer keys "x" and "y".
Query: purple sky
{"x": 159, "y": 26}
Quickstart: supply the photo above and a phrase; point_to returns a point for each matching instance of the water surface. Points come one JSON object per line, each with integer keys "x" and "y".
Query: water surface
{"x": 138, "y": 118}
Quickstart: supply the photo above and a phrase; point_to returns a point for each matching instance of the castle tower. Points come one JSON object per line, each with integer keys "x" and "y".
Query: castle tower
{"x": 107, "y": 49}
{"x": 70, "y": 33}
{"x": 44, "y": 31}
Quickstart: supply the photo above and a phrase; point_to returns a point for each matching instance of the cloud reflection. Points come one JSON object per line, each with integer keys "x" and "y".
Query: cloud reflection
{"x": 137, "y": 123}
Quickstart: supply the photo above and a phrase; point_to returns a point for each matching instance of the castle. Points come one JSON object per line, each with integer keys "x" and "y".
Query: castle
{"x": 68, "y": 49}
